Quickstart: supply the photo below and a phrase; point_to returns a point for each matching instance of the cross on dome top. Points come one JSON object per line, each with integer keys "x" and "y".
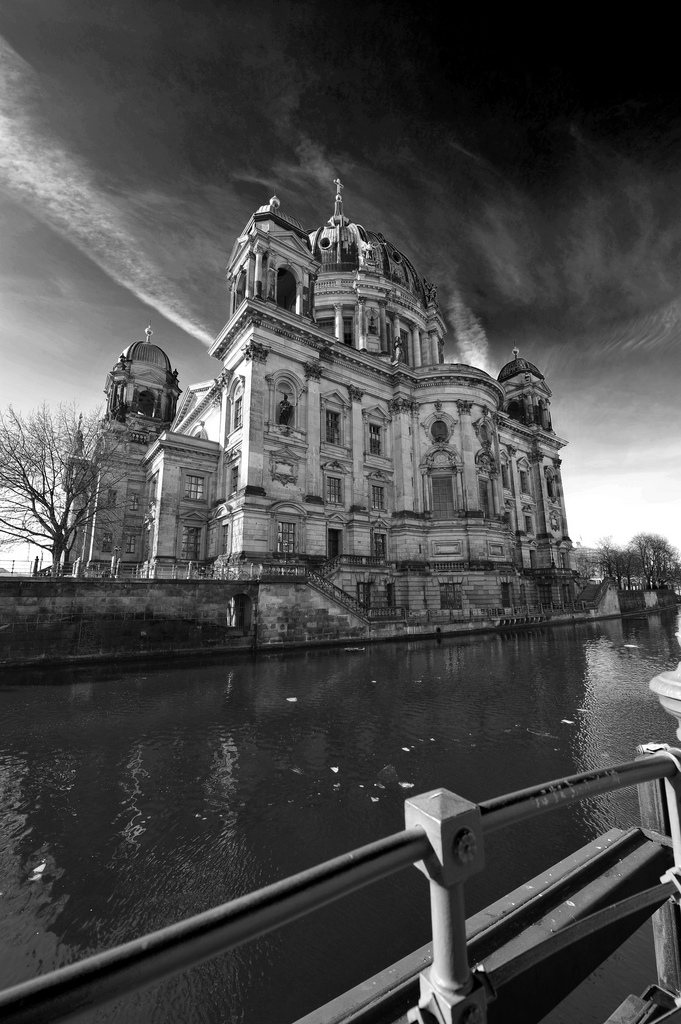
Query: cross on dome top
{"x": 148, "y": 331}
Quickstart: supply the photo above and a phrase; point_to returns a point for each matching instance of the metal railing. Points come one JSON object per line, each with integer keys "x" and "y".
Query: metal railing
{"x": 444, "y": 835}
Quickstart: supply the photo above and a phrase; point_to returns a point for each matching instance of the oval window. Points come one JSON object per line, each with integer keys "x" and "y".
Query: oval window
{"x": 324, "y": 243}
{"x": 396, "y": 256}
{"x": 439, "y": 430}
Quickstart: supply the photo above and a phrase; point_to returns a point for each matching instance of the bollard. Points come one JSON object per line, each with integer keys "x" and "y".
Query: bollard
{"x": 449, "y": 992}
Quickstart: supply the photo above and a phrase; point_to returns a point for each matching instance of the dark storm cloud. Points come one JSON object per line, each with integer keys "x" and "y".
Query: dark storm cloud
{"x": 543, "y": 201}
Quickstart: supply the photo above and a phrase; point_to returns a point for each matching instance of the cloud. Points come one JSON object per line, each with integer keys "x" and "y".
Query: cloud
{"x": 472, "y": 346}
{"x": 59, "y": 189}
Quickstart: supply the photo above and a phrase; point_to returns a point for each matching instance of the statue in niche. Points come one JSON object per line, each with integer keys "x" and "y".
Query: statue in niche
{"x": 119, "y": 411}
{"x": 398, "y": 355}
{"x": 372, "y": 323}
{"x": 286, "y": 411}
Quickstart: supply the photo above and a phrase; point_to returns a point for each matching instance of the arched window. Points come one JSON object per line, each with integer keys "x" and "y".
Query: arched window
{"x": 145, "y": 403}
{"x": 516, "y": 412}
{"x": 286, "y": 289}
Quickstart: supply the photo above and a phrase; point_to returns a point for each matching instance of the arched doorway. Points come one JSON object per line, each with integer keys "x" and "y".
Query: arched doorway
{"x": 240, "y": 611}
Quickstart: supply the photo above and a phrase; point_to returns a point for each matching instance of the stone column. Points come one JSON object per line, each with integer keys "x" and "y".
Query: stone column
{"x": 402, "y": 410}
{"x": 361, "y": 322}
{"x": 383, "y": 334}
{"x": 434, "y": 350}
{"x": 359, "y": 496}
{"x": 258, "y": 271}
{"x": 338, "y": 307}
{"x": 250, "y": 276}
{"x": 299, "y": 298}
{"x": 416, "y": 344}
{"x": 469, "y": 475}
{"x": 313, "y": 425}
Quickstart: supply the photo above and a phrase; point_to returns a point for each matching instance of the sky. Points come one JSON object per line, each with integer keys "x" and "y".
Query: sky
{"x": 532, "y": 171}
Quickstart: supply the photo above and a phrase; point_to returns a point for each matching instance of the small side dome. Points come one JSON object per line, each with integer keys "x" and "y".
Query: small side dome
{"x": 145, "y": 352}
{"x": 516, "y": 366}
{"x": 273, "y": 209}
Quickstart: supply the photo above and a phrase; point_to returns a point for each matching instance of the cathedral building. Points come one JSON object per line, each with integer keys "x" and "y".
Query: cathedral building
{"x": 334, "y": 435}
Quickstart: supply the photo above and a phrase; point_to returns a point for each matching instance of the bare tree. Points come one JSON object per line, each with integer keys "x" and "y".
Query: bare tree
{"x": 659, "y": 560}
{"x": 52, "y": 463}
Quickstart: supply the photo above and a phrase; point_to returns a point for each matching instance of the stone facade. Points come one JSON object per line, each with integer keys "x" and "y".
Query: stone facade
{"x": 335, "y": 434}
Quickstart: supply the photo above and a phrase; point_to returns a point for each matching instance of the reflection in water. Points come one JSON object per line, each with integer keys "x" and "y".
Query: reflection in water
{"x": 156, "y": 792}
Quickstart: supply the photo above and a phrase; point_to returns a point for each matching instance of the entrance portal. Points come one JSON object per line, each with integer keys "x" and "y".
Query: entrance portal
{"x": 334, "y": 543}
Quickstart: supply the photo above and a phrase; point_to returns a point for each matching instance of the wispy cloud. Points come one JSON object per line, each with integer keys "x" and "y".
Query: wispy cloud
{"x": 62, "y": 191}
{"x": 472, "y": 346}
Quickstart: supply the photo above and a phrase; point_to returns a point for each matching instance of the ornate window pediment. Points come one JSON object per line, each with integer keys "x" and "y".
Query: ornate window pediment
{"x": 335, "y": 467}
{"x": 442, "y": 457}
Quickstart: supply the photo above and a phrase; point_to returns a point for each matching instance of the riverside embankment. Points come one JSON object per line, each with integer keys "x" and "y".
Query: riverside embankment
{"x": 55, "y": 620}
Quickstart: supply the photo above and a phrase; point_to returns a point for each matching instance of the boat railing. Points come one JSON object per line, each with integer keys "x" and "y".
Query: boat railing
{"x": 444, "y": 836}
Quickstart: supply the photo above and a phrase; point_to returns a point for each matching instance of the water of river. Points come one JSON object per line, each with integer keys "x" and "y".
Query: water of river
{"x": 157, "y": 791}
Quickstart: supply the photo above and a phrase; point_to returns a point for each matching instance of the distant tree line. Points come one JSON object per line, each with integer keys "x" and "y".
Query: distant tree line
{"x": 647, "y": 562}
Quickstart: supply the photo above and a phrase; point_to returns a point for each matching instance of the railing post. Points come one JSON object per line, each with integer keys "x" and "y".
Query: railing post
{"x": 449, "y": 992}
{"x": 660, "y": 803}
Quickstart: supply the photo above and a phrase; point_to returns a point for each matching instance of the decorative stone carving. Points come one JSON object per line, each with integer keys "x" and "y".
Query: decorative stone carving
{"x": 464, "y": 407}
{"x": 325, "y": 352}
{"x": 438, "y": 405}
{"x": 355, "y": 394}
{"x": 430, "y": 290}
{"x": 312, "y": 371}
{"x": 557, "y": 462}
{"x": 224, "y": 377}
{"x": 284, "y": 466}
{"x": 485, "y": 461}
{"x": 442, "y": 457}
{"x": 255, "y": 351}
{"x": 511, "y": 449}
{"x": 401, "y": 405}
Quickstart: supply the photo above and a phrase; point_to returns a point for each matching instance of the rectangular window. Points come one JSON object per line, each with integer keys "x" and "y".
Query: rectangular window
{"x": 528, "y": 524}
{"x": 507, "y": 595}
{"x": 328, "y": 326}
{"x": 347, "y": 330}
{"x": 524, "y": 481}
{"x": 544, "y": 593}
{"x": 286, "y": 538}
{"x": 235, "y": 479}
{"x": 504, "y": 476}
{"x": 378, "y": 497}
{"x": 364, "y": 594}
{"x": 332, "y": 427}
{"x": 130, "y": 544}
{"x": 375, "y": 445}
{"x": 193, "y": 487}
{"x": 379, "y": 545}
{"x": 191, "y": 543}
{"x": 238, "y": 413}
{"x": 450, "y": 595}
{"x": 443, "y": 497}
{"x": 153, "y": 487}
{"x": 483, "y": 489}
{"x": 107, "y": 541}
{"x": 333, "y": 490}
{"x": 134, "y": 502}
{"x": 225, "y": 540}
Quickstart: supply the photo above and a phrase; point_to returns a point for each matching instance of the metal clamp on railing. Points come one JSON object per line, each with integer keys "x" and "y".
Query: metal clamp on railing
{"x": 449, "y": 992}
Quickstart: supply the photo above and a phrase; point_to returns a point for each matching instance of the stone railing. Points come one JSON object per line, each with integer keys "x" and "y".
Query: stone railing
{"x": 372, "y": 561}
{"x": 325, "y": 587}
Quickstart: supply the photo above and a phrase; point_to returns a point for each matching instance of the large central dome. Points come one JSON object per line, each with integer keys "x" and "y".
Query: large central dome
{"x": 341, "y": 245}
